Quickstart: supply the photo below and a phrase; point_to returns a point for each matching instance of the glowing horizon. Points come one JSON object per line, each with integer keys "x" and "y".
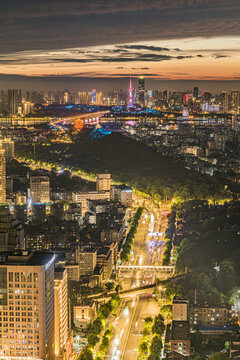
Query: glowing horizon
{"x": 215, "y": 58}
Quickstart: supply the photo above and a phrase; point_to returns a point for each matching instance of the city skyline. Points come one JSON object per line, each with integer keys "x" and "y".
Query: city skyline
{"x": 119, "y": 180}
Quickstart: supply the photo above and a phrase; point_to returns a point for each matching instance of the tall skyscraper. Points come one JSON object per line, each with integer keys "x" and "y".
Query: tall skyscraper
{"x": 40, "y": 189}
{"x": 141, "y": 91}
{"x": 130, "y": 92}
{"x": 94, "y": 96}
{"x": 8, "y": 145}
{"x": 2, "y": 175}
{"x": 61, "y": 310}
{"x": 66, "y": 97}
{"x": 103, "y": 182}
{"x": 12, "y": 101}
{"x": 235, "y": 101}
{"x": 27, "y": 305}
{"x": 11, "y": 231}
{"x": 225, "y": 102}
{"x": 99, "y": 98}
{"x": 195, "y": 92}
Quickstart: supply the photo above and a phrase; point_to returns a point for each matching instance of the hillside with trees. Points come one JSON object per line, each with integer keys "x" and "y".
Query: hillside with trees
{"x": 130, "y": 162}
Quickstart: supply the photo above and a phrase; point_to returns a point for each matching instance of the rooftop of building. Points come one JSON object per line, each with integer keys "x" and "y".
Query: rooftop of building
{"x": 59, "y": 273}
{"x": 180, "y": 330}
{"x": 101, "y": 202}
{"x": 84, "y": 303}
{"x": 88, "y": 249}
{"x": 104, "y": 176}
{"x": 26, "y": 258}
{"x": 210, "y": 307}
{"x": 103, "y": 251}
{"x": 98, "y": 270}
{"x": 123, "y": 187}
{"x": 217, "y": 329}
{"x": 179, "y": 300}
{"x": 92, "y": 192}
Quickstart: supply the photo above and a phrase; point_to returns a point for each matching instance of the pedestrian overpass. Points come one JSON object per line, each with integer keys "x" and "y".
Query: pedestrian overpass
{"x": 146, "y": 270}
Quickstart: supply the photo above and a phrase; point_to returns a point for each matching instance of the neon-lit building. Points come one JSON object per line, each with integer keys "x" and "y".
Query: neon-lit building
{"x": 130, "y": 92}
{"x": 93, "y": 96}
{"x": 141, "y": 91}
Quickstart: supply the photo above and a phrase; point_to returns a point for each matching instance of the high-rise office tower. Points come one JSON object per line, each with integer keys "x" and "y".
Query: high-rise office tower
{"x": 12, "y": 101}
{"x": 8, "y": 145}
{"x": 40, "y": 189}
{"x": 141, "y": 91}
{"x": 60, "y": 310}
{"x": 103, "y": 182}
{"x": 99, "y": 98}
{"x": 195, "y": 92}
{"x": 94, "y": 96}
{"x": 38, "y": 213}
{"x": 66, "y": 97}
{"x": 11, "y": 231}
{"x": 225, "y": 102}
{"x": 235, "y": 101}
{"x": 2, "y": 175}
{"x": 27, "y": 305}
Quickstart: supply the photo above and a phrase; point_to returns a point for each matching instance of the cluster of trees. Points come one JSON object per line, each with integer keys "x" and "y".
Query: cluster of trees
{"x": 155, "y": 329}
{"x": 105, "y": 342}
{"x": 157, "y": 333}
{"x": 143, "y": 346}
{"x": 169, "y": 233}
{"x": 166, "y": 311}
{"x": 129, "y": 161}
{"x": 97, "y": 326}
{"x": 127, "y": 245}
{"x": 209, "y": 251}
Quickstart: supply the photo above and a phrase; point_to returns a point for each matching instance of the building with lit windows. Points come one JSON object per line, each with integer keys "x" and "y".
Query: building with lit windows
{"x": 26, "y": 305}
{"x": 87, "y": 261}
{"x": 103, "y": 182}
{"x": 225, "y": 102}
{"x": 83, "y": 197}
{"x": 40, "y": 189}
{"x": 209, "y": 316}
{"x": 2, "y": 175}
{"x": 122, "y": 194}
{"x": 141, "y": 91}
{"x": 11, "y": 231}
{"x": 235, "y": 101}
{"x": 180, "y": 337}
{"x": 83, "y": 315}
{"x": 12, "y": 101}
{"x": 60, "y": 310}
{"x": 8, "y": 145}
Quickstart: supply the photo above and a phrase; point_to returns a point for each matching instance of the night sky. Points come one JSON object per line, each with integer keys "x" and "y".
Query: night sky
{"x": 50, "y": 42}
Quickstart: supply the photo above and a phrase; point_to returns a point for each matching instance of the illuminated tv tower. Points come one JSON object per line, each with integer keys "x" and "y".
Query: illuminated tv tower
{"x": 130, "y": 92}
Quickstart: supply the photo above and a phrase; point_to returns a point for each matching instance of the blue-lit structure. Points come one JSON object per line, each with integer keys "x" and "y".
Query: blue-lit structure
{"x": 94, "y": 96}
{"x": 99, "y": 133}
